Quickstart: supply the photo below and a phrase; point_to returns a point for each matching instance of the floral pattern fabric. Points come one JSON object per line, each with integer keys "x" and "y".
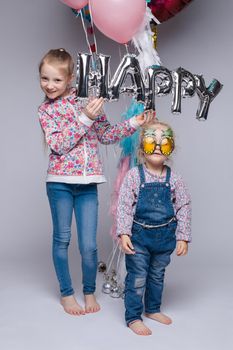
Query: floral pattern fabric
{"x": 74, "y": 145}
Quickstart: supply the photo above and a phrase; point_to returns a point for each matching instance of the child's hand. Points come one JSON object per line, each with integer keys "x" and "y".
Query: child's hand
{"x": 145, "y": 117}
{"x": 94, "y": 108}
{"x": 126, "y": 244}
{"x": 181, "y": 248}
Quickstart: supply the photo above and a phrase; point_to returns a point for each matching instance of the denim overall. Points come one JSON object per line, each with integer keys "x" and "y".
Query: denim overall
{"x": 153, "y": 238}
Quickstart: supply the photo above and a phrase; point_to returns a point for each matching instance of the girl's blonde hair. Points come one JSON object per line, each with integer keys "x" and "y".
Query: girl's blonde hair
{"x": 58, "y": 57}
{"x": 150, "y": 125}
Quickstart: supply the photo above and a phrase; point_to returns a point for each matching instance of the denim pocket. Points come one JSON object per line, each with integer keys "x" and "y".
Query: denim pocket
{"x": 136, "y": 229}
{"x": 171, "y": 228}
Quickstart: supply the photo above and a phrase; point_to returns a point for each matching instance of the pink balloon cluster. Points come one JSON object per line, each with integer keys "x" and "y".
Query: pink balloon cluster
{"x": 117, "y": 19}
{"x": 75, "y": 4}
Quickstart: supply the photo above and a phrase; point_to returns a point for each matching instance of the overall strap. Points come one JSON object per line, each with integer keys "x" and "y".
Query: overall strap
{"x": 168, "y": 174}
{"x": 141, "y": 173}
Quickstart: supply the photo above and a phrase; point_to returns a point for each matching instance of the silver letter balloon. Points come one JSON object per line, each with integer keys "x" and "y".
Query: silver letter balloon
{"x": 93, "y": 72}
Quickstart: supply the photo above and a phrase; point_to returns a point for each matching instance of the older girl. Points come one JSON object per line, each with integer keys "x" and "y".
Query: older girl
{"x": 72, "y": 134}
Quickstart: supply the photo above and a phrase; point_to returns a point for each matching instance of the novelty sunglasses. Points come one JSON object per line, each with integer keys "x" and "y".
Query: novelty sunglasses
{"x": 166, "y": 145}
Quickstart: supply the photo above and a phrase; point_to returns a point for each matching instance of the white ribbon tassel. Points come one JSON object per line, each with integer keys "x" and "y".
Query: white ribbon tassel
{"x": 142, "y": 40}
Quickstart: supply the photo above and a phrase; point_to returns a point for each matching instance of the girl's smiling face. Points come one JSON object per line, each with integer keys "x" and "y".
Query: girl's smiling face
{"x": 54, "y": 80}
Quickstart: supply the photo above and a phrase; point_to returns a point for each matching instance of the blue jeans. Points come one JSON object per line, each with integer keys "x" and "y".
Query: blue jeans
{"x": 146, "y": 268}
{"x": 82, "y": 199}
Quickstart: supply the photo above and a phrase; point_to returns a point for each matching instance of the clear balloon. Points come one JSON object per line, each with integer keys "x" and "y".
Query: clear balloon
{"x": 75, "y": 4}
{"x": 118, "y": 19}
{"x": 106, "y": 288}
{"x": 115, "y": 292}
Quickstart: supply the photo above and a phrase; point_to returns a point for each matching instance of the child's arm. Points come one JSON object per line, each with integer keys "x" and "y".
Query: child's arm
{"x": 110, "y": 134}
{"x": 126, "y": 206}
{"x": 183, "y": 216}
{"x": 61, "y": 137}
{"x": 183, "y": 211}
{"x": 181, "y": 248}
{"x": 126, "y": 244}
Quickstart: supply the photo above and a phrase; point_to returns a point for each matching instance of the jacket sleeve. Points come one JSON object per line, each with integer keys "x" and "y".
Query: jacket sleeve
{"x": 110, "y": 134}
{"x": 60, "y": 136}
{"x": 183, "y": 211}
{"x": 127, "y": 202}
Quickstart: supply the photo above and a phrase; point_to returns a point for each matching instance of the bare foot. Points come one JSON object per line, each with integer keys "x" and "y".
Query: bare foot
{"x": 71, "y": 306}
{"x": 91, "y": 304}
{"x": 159, "y": 317}
{"x": 139, "y": 328}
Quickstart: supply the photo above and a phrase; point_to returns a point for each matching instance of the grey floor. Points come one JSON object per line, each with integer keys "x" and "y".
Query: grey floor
{"x": 200, "y": 303}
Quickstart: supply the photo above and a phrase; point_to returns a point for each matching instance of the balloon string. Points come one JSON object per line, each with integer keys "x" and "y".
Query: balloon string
{"x": 85, "y": 31}
{"x": 127, "y": 48}
{"x": 92, "y": 26}
{"x": 112, "y": 256}
{"x": 120, "y": 55}
{"x": 91, "y": 47}
{"x": 118, "y": 262}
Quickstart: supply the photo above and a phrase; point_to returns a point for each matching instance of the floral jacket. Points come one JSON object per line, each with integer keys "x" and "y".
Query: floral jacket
{"x": 73, "y": 140}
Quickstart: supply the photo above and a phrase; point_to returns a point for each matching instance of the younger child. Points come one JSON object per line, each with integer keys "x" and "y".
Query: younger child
{"x": 153, "y": 217}
{"x": 72, "y": 134}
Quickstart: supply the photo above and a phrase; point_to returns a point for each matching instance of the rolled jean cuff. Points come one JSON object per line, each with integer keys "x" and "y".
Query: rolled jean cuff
{"x": 152, "y": 312}
{"x": 89, "y": 291}
{"x": 67, "y": 294}
{"x": 132, "y": 320}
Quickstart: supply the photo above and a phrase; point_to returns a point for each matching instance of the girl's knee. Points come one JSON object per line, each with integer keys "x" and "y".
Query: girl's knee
{"x": 62, "y": 238}
{"x": 88, "y": 252}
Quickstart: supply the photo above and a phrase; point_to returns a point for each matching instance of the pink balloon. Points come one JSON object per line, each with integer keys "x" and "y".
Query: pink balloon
{"x": 75, "y": 4}
{"x": 118, "y": 19}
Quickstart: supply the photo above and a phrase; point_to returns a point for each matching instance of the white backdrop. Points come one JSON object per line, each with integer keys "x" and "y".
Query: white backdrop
{"x": 198, "y": 39}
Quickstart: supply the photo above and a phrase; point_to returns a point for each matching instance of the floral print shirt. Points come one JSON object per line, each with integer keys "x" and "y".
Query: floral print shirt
{"x": 73, "y": 139}
{"x": 128, "y": 198}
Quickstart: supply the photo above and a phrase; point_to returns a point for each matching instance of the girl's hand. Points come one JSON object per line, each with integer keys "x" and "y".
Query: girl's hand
{"x": 145, "y": 117}
{"x": 94, "y": 108}
{"x": 181, "y": 248}
{"x": 126, "y": 244}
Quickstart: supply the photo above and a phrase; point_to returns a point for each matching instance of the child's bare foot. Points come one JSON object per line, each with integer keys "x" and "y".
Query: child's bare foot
{"x": 71, "y": 306}
{"x": 159, "y": 317}
{"x": 91, "y": 304}
{"x": 139, "y": 328}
